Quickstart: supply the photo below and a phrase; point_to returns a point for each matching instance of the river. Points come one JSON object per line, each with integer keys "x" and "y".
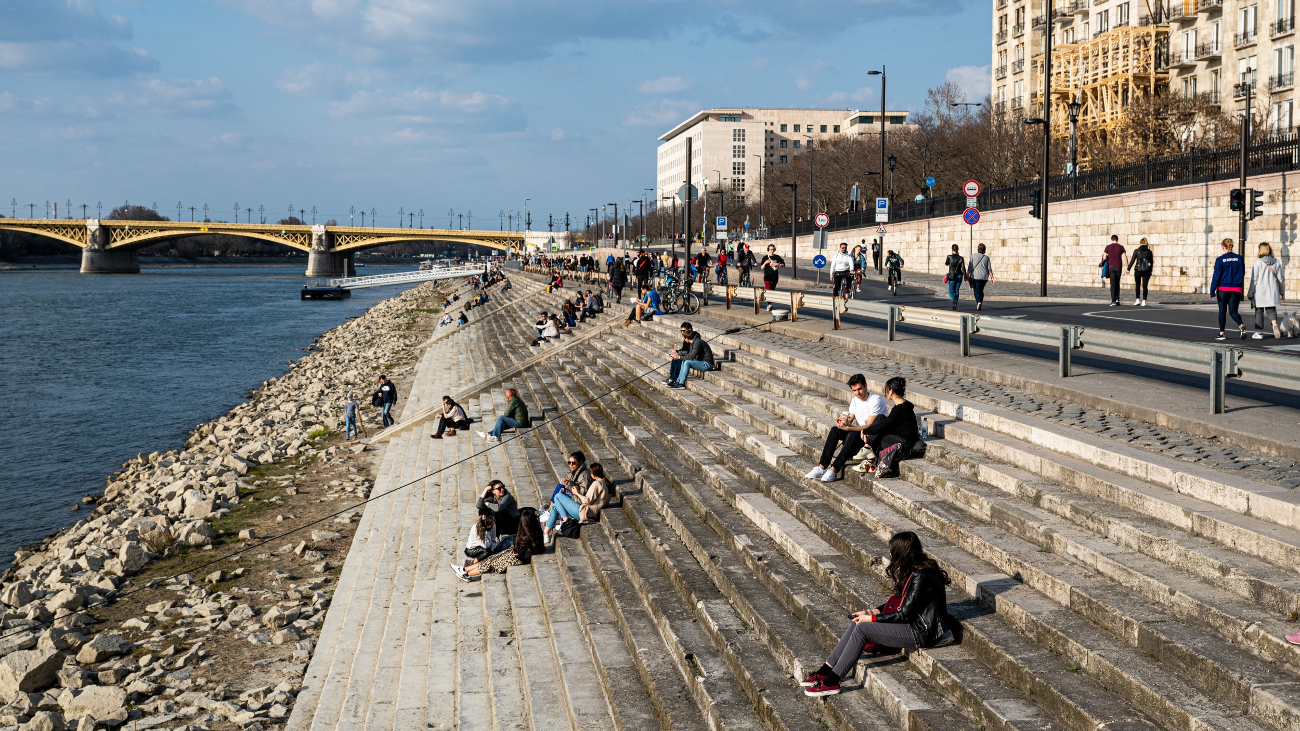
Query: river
{"x": 100, "y": 368}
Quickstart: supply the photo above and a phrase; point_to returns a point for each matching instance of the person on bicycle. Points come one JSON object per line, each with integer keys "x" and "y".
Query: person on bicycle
{"x": 894, "y": 263}
{"x": 721, "y": 268}
{"x": 841, "y": 270}
{"x": 702, "y": 265}
{"x": 859, "y": 266}
{"x": 744, "y": 262}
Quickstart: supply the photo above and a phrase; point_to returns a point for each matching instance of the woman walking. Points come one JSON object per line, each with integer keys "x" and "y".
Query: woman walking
{"x": 617, "y": 279}
{"x": 981, "y": 272}
{"x": 1142, "y": 264}
{"x": 1229, "y": 275}
{"x": 915, "y": 616}
{"x": 1266, "y": 288}
{"x": 956, "y": 272}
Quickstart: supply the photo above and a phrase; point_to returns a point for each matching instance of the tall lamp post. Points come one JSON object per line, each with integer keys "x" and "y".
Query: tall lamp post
{"x": 794, "y": 212}
{"x": 760, "y": 190}
{"x": 1042, "y": 202}
{"x": 616, "y": 227}
{"x": 810, "y": 175}
{"x": 1075, "y": 106}
{"x": 881, "y": 73}
{"x": 892, "y": 162}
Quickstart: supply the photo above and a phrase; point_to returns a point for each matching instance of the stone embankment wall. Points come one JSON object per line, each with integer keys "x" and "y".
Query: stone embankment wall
{"x": 1184, "y": 225}
{"x": 51, "y": 672}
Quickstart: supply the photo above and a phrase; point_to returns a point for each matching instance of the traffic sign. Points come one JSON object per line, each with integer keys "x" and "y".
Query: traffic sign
{"x": 971, "y": 216}
{"x": 971, "y": 187}
{"x": 681, "y": 193}
{"x": 819, "y": 261}
{"x": 880, "y": 229}
{"x": 929, "y": 181}
{"x": 882, "y": 210}
{"x": 822, "y": 220}
{"x": 972, "y": 201}
{"x": 722, "y": 222}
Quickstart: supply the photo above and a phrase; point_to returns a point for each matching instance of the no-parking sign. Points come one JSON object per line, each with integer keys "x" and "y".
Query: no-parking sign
{"x": 971, "y": 216}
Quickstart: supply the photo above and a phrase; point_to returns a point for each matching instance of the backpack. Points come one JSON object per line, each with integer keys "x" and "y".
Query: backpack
{"x": 570, "y": 528}
{"x": 377, "y": 399}
{"x": 1145, "y": 262}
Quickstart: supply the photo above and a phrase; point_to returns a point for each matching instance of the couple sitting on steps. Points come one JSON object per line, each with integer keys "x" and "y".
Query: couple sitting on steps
{"x": 892, "y": 435}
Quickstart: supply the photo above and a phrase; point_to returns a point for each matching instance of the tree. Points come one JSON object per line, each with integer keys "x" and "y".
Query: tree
{"x": 135, "y": 213}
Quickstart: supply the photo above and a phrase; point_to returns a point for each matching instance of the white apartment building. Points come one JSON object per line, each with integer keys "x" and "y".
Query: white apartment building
{"x": 1107, "y": 51}
{"x": 731, "y": 146}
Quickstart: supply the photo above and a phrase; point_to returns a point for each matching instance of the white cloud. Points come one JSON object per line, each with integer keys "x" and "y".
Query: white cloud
{"x": 661, "y": 113}
{"x": 664, "y": 85}
{"x": 557, "y": 134}
{"x": 858, "y": 97}
{"x": 67, "y": 37}
{"x": 201, "y": 97}
{"x": 974, "y": 80}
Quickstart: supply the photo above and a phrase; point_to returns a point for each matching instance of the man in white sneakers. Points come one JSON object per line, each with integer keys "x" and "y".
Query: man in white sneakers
{"x": 863, "y": 409}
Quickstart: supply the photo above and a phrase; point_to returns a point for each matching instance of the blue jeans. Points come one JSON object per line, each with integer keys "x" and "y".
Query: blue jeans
{"x": 954, "y": 288}
{"x": 502, "y": 423}
{"x": 679, "y": 369}
{"x": 350, "y": 424}
{"x": 387, "y": 418}
{"x": 561, "y": 504}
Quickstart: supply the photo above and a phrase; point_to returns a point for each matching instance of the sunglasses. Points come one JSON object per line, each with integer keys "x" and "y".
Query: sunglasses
{"x": 573, "y": 461}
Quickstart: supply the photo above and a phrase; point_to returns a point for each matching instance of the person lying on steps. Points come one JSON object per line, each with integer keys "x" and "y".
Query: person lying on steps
{"x": 915, "y": 616}
{"x": 864, "y": 409}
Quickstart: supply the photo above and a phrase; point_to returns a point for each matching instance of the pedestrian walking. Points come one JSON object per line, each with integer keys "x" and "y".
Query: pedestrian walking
{"x": 350, "y": 417}
{"x": 1229, "y": 275}
{"x": 956, "y": 272}
{"x": 875, "y": 252}
{"x": 1142, "y": 264}
{"x": 617, "y": 279}
{"x": 771, "y": 266}
{"x": 981, "y": 273}
{"x": 387, "y": 394}
{"x": 842, "y": 271}
{"x": 1114, "y": 259}
{"x": 1266, "y": 288}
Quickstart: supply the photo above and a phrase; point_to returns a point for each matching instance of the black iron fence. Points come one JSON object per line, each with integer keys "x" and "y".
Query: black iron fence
{"x": 1279, "y": 153}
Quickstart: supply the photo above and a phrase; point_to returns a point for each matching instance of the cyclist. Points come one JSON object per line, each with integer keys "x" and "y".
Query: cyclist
{"x": 721, "y": 269}
{"x": 744, "y": 262}
{"x": 859, "y": 266}
{"x": 894, "y": 263}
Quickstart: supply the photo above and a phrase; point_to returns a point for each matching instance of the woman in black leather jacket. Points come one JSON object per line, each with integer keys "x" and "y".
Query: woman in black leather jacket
{"x": 915, "y": 616}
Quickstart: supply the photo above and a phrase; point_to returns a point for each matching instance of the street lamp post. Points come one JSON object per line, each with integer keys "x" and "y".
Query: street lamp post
{"x": 527, "y": 221}
{"x": 794, "y": 211}
{"x": 810, "y": 175}
{"x": 616, "y": 226}
{"x": 760, "y": 190}
{"x": 1042, "y": 200}
{"x": 892, "y": 162}
{"x": 881, "y": 73}
{"x": 1075, "y": 106}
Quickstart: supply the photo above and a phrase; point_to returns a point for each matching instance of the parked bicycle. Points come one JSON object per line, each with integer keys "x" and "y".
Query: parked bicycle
{"x": 673, "y": 296}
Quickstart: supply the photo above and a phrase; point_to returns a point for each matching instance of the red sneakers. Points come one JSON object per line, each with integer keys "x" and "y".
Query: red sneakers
{"x": 811, "y": 680}
{"x": 821, "y": 689}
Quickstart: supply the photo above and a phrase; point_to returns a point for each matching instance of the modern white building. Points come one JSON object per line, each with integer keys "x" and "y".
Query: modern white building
{"x": 731, "y": 146}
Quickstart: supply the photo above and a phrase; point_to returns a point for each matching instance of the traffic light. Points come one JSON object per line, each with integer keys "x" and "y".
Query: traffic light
{"x": 1237, "y": 199}
{"x": 1256, "y": 204}
{"x": 1035, "y": 203}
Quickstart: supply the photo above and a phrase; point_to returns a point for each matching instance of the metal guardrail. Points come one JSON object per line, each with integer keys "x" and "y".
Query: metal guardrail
{"x": 419, "y": 275}
{"x": 1218, "y": 362}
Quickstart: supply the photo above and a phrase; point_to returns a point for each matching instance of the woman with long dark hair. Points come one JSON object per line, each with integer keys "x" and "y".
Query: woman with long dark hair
{"x": 915, "y": 616}
{"x": 527, "y": 542}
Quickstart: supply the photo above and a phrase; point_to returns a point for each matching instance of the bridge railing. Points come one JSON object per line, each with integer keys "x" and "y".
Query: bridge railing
{"x": 418, "y": 275}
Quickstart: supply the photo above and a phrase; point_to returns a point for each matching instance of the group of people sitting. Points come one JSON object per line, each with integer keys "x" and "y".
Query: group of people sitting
{"x": 506, "y": 535}
{"x": 479, "y": 299}
{"x": 579, "y": 308}
{"x": 890, "y": 433}
{"x": 463, "y": 319}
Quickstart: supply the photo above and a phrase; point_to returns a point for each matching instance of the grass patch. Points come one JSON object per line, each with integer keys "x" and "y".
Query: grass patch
{"x": 320, "y": 432}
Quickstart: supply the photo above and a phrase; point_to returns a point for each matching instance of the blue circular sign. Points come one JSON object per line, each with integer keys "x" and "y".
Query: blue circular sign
{"x": 819, "y": 261}
{"x": 971, "y": 216}
{"x": 929, "y": 181}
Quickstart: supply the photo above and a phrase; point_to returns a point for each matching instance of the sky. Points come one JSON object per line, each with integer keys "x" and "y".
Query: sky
{"x": 425, "y": 105}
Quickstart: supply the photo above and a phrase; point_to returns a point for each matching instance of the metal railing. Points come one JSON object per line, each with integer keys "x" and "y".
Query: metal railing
{"x": 1017, "y": 102}
{"x": 1002, "y": 36}
{"x": 1017, "y": 66}
{"x": 1278, "y": 153}
{"x": 419, "y": 275}
{"x": 1282, "y": 26}
{"x": 1018, "y": 29}
{"x": 1245, "y": 38}
{"x": 1206, "y": 6}
{"x": 1281, "y": 81}
{"x": 1209, "y": 49}
{"x": 1002, "y": 71}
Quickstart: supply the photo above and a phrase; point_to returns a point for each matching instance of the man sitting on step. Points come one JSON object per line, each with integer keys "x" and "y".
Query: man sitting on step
{"x": 864, "y": 409}
{"x": 515, "y": 416}
{"x": 644, "y": 309}
{"x": 694, "y": 353}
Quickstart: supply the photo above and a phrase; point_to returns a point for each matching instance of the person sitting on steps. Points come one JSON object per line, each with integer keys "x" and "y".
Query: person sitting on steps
{"x": 896, "y": 436}
{"x": 915, "y": 616}
{"x": 527, "y": 542}
{"x": 449, "y": 418}
{"x": 497, "y": 502}
{"x": 864, "y": 409}
{"x": 482, "y": 541}
{"x": 515, "y": 416}
{"x": 645, "y": 308}
{"x": 546, "y": 329}
{"x": 564, "y": 499}
{"x": 694, "y": 353}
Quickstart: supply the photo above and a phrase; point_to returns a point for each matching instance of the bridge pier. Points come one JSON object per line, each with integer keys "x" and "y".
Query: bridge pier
{"x": 323, "y": 261}
{"x": 96, "y": 259}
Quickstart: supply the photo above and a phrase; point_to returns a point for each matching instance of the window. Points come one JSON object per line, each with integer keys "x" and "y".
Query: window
{"x": 1002, "y": 94}
{"x": 1285, "y": 10}
{"x": 1281, "y": 116}
{"x": 866, "y": 120}
{"x": 1246, "y": 71}
{"x": 737, "y": 135}
{"x": 1189, "y": 46}
{"x": 796, "y": 144}
{"x": 1216, "y": 36}
{"x": 728, "y": 117}
{"x": 738, "y": 151}
{"x": 1068, "y": 36}
{"x": 1246, "y": 23}
{"x": 823, "y": 128}
{"x": 737, "y": 169}
{"x": 796, "y": 128}
{"x": 1214, "y": 86}
{"x": 1122, "y": 12}
{"x": 738, "y": 184}
{"x": 1283, "y": 66}
{"x": 783, "y": 128}
{"x": 897, "y": 120}
{"x": 783, "y": 142}
{"x": 1103, "y": 21}
{"x": 1189, "y": 86}
{"x": 783, "y": 158}
{"x": 837, "y": 128}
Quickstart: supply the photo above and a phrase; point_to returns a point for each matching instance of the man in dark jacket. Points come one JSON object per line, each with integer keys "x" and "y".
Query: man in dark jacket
{"x": 694, "y": 353}
{"x": 387, "y": 397}
{"x": 896, "y": 436}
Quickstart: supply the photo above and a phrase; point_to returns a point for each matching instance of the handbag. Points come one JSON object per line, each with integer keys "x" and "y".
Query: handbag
{"x": 477, "y": 552}
{"x": 892, "y": 604}
{"x": 1105, "y": 268}
{"x": 570, "y": 528}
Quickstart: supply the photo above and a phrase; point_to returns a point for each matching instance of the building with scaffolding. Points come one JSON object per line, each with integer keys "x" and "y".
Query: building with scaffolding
{"x": 1106, "y": 54}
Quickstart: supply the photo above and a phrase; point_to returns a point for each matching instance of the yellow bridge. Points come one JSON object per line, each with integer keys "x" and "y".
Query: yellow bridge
{"x": 113, "y": 246}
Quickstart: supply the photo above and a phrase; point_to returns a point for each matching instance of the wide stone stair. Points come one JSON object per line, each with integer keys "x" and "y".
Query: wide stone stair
{"x": 1101, "y": 586}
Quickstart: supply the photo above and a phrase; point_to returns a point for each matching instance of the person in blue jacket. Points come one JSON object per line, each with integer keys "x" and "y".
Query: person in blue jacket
{"x": 1228, "y": 284}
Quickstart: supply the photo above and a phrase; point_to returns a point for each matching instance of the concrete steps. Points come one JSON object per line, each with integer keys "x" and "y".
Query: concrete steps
{"x": 1054, "y": 577}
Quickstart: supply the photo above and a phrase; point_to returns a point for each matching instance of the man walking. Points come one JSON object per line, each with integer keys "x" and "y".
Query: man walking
{"x": 875, "y": 252}
{"x": 388, "y": 397}
{"x": 842, "y": 271}
{"x": 694, "y": 353}
{"x": 1116, "y": 261}
{"x": 863, "y": 410}
{"x": 515, "y": 416}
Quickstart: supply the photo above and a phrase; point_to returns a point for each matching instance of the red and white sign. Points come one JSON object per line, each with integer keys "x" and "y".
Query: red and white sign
{"x": 822, "y": 220}
{"x": 971, "y": 188}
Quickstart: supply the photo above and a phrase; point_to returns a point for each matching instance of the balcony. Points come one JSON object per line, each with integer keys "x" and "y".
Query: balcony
{"x": 1282, "y": 27}
{"x": 1184, "y": 59}
{"x": 1207, "y": 51}
{"x": 1176, "y": 15}
{"x": 999, "y": 107}
{"x": 1002, "y": 4}
{"x": 1062, "y": 18}
{"x": 1099, "y": 32}
{"x": 1017, "y": 102}
{"x": 1017, "y": 30}
{"x": 1039, "y": 21}
{"x": 1017, "y": 66}
{"x": 1080, "y": 7}
{"x": 1002, "y": 72}
{"x": 1208, "y": 6}
{"x": 1281, "y": 81}
{"x": 1002, "y": 36}
{"x": 1239, "y": 90}
{"x": 1245, "y": 38}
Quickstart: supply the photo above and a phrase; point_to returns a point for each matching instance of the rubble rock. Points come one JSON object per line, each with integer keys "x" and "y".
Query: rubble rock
{"x": 28, "y": 671}
{"x": 17, "y": 594}
{"x": 133, "y": 557}
{"x": 321, "y": 536}
{"x": 45, "y": 721}
{"x": 103, "y": 647}
{"x": 103, "y": 702}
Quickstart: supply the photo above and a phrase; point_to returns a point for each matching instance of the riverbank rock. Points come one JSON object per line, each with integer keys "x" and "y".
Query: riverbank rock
{"x": 103, "y": 647}
{"x": 105, "y": 703}
{"x": 28, "y": 671}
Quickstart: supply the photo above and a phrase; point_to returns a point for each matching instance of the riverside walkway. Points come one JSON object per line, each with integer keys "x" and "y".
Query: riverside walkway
{"x": 1118, "y": 578}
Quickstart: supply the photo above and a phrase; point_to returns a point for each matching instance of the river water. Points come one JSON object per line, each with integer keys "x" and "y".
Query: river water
{"x": 96, "y": 369}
